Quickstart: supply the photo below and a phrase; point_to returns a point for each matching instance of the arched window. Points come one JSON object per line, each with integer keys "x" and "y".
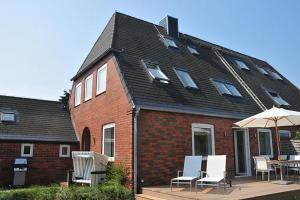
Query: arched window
{"x": 86, "y": 140}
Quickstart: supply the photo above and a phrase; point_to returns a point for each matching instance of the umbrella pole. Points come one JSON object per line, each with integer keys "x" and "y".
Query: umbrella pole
{"x": 277, "y": 140}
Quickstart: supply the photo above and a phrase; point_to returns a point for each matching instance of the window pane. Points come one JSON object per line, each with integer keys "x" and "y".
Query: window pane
{"x": 64, "y": 151}
{"x": 77, "y": 94}
{"x": 222, "y": 88}
{"x": 262, "y": 70}
{"x": 193, "y": 50}
{"x": 27, "y": 149}
{"x": 278, "y": 99}
{"x": 109, "y": 137}
{"x": 276, "y": 76}
{"x": 8, "y": 117}
{"x": 155, "y": 71}
{"x": 101, "y": 79}
{"x": 241, "y": 64}
{"x": 264, "y": 143}
{"x": 88, "y": 88}
{"x": 285, "y": 135}
{"x": 170, "y": 42}
{"x": 202, "y": 141}
{"x": 233, "y": 90}
{"x": 186, "y": 79}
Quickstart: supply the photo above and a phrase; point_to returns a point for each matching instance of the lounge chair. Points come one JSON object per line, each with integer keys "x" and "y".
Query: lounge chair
{"x": 191, "y": 171}
{"x": 89, "y": 167}
{"x": 215, "y": 172}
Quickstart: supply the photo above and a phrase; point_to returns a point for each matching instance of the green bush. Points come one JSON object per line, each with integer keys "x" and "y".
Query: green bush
{"x": 297, "y": 136}
{"x": 114, "y": 188}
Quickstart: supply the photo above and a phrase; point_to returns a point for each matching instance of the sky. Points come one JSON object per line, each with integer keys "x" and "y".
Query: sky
{"x": 43, "y": 43}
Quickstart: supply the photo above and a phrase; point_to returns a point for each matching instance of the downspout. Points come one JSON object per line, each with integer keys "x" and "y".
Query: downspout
{"x": 135, "y": 145}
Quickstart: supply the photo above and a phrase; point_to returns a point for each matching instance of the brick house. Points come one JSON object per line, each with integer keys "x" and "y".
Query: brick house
{"x": 147, "y": 95}
{"x": 40, "y": 131}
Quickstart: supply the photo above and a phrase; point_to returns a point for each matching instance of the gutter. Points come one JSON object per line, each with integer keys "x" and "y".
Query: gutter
{"x": 136, "y": 185}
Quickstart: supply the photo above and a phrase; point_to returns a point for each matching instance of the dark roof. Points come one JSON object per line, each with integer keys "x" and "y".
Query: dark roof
{"x": 36, "y": 120}
{"x": 137, "y": 39}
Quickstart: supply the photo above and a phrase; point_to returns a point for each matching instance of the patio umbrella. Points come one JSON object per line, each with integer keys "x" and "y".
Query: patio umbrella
{"x": 274, "y": 117}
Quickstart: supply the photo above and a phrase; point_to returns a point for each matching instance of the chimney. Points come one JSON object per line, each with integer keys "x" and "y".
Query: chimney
{"x": 171, "y": 25}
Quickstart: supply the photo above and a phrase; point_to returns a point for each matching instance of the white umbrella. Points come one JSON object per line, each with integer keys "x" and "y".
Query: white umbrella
{"x": 274, "y": 117}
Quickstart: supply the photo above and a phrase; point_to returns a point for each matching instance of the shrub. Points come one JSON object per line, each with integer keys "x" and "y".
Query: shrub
{"x": 297, "y": 136}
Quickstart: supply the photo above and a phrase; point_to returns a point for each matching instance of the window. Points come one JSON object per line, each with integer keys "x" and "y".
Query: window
{"x": 77, "y": 94}
{"x": 203, "y": 139}
{"x": 169, "y": 42}
{"x": 226, "y": 88}
{"x": 101, "y": 79}
{"x": 185, "y": 79}
{"x": 265, "y": 145}
{"x": 64, "y": 151}
{"x": 241, "y": 64}
{"x": 88, "y": 84}
{"x": 155, "y": 71}
{"x": 285, "y": 134}
{"x": 193, "y": 50}
{"x": 277, "y": 98}
{"x": 8, "y": 117}
{"x": 262, "y": 71}
{"x": 276, "y": 76}
{"x": 108, "y": 144}
{"x": 26, "y": 150}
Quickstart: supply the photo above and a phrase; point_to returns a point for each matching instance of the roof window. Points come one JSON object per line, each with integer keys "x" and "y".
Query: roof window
{"x": 155, "y": 71}
{"x": 8, "y": 117}
{"x": 193, "y": 50}
{"x": 169, "y": 42}
{"x": 185, "y": 79}
{"x": 241, "y": 64}
{"x": 227, "y": 88}
{"x": 262, "y": 70}
{"x": 278, "y": 99}
{"x": 276, "y": 76}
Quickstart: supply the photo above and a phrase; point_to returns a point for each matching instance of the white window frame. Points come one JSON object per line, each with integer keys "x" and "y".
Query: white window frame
{"x": 61, "y": 155}
{"x": 197, "y": 125}
{"x": 239, "y": 61}
{"x": 22, "y": 150}
{"x": 271, "y": 141}
{"x": 77, "y": 102}
{"x": 85, "y": 88}
{"x": 112, "y": 125}
{"x": 181, "y": 80}
{"x": 285, "y": 131}
{"x": 7, "y": 113}
{"x": 103, "y": 67}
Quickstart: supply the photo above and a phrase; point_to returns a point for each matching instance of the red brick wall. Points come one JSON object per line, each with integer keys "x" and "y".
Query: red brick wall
{"x": 111, "y": 106}
{"x": 44, "y": 167}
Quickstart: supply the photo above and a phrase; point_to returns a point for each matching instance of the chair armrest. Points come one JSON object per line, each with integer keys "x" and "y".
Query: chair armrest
{"x": 202, "y": 174}
{"x": 98, "y": 172}
{"x": 178, "y": 172}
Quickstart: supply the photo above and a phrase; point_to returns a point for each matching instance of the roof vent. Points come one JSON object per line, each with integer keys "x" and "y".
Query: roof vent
{"x": 171, "y": 25}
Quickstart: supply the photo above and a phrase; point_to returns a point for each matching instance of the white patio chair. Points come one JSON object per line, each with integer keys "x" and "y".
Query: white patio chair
{"x": 294, "y": 167}
{"x": 215, "y": 172}
{"x": 89, "y": 167}
{"x": 191, "y": 171}
{"x": 261, "y": 165}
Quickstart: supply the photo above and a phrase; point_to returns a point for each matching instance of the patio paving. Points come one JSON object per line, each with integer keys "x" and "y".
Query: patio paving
{"x": 242, "y": 188}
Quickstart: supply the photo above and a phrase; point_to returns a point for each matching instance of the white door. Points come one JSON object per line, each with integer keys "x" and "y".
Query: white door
{"x": 242, "y": 152}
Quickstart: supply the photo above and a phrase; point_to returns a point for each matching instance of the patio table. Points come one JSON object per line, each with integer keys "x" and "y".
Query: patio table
{"x": 281, "y": 164}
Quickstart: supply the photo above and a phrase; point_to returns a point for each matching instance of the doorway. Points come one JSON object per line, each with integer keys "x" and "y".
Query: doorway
{"x": 242, "y": 152}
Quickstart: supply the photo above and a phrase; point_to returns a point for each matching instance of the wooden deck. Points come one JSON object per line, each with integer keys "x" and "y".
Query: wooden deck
{"x": 242, "y": 188}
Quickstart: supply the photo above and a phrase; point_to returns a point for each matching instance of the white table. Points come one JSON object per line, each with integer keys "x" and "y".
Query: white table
{"x": 282, "y": 164}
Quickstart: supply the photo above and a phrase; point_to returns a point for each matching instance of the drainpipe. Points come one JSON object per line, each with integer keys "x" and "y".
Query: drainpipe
{"x": 137, "y": 186}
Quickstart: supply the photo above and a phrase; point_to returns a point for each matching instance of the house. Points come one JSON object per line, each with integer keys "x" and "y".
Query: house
{"x": 147, "y": 95}
{"x": 40, "y": 131}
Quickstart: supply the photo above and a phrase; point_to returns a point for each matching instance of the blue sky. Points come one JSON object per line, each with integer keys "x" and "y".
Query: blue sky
{"x": 43, "y": 43}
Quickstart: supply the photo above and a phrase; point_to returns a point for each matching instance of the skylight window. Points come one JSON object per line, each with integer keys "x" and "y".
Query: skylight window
{"x": 193, "y": 50}
{"x": 227, "y": 88}
{"x": 262, "y": 70}
{"x": 170, "y": 43}
{"x": 155, "y": 72}
{"x": 278, "y": 99}
{"x": 241, "y": 64}
{"x": 8, "y": 117}
{"x": 185, "y": 79}
{"x": 276, "y": 76}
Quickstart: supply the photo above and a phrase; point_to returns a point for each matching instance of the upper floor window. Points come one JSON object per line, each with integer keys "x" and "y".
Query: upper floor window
{"x": 262, "y": 71}
{"x": 88, "y": 87}
{"x": 277, "y": 98}
{"x": 155, "y": 72}
{"x": 185, "y": 79}
{"x": 108, "y": 144}
{"x": 276, "y": 76}
{"x": 169, "y": 42}
{"x": 226, "y": 88}
{"x": 78, "y": 94}
{"x": 193, "y": 50}
{"x": 241, "y": 64}
{"x": 8, "y": 117}
{"x": 101, "y": 79}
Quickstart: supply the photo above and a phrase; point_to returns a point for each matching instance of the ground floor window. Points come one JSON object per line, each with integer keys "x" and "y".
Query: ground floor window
{"x": 108, "y": 144}
{"x": 64, "y": 151}
{"x": 203, "y": 139}
{"x": 285, "y": 134}
{"x": 265, "y": 145}
{"x": 26, "y": 150}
